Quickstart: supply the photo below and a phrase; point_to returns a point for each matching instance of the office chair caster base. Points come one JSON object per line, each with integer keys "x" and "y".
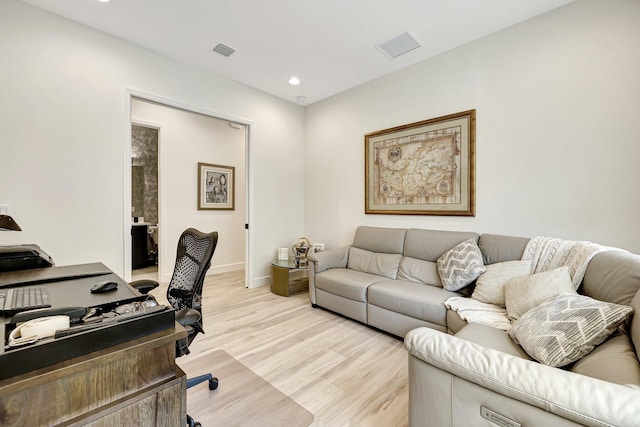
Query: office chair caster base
{"x": 213, "y": 383}
{"x": 192, "y": 423}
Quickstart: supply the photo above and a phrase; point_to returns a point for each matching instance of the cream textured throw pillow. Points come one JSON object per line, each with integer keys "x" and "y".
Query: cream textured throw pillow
{"x": 523, "y": 293}
{"x": 490, "y": 284}
{"x": 460, "y": 265}
{"x": 567, "y": 327}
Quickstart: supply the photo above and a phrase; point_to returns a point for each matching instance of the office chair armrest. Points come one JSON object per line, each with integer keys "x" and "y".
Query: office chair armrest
{"x": 144, "y": 286}
{"x": 188, "y": 316}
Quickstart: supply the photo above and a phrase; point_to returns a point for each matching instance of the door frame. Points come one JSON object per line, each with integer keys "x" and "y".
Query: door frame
{"x": 127, "y": 121}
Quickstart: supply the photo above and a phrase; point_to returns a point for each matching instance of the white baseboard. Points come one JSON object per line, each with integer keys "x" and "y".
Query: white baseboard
{"x": 216, "y": 269}
{"x": 261, "y": 281}
{"x": 212, "y": 270}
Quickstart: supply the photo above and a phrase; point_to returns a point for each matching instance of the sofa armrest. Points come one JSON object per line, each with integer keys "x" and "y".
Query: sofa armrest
{"x": 336, "y": 258}
{"x": 321, "y": 261}
{"x": 582, "y": 399}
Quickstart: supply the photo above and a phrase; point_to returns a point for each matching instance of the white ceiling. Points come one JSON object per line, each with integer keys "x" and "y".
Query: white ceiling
{"x": 328, "y": 44}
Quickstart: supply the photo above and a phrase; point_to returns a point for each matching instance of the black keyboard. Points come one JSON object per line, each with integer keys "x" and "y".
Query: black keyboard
{"x": 15, "y": 300}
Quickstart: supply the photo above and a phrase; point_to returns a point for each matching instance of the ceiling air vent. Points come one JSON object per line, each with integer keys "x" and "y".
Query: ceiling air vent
{"x": 223, "y": 50}
{"x": 399, "y": 45}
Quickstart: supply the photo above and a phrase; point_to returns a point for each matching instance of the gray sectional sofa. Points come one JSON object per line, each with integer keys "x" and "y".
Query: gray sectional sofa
{"x": 380, "y": 279}
{"x": 468, "y": 374}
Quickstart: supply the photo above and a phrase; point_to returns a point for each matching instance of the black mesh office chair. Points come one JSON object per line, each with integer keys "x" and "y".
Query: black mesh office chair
{"x": 195, "y": 250}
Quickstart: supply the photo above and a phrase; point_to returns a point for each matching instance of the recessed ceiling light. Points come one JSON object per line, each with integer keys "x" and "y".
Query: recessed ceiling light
{"x": 294, "y": 81}
{"x": 103, "y": 1}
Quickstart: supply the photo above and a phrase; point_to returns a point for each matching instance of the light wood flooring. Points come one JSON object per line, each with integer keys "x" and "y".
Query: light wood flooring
{"x": 150, "y": 272}
{"x": 345, "y": 373}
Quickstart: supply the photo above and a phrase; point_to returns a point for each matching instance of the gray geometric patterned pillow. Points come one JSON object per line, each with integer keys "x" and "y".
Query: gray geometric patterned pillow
{"x": 567, "y": 327}
{"x": 460, "y": 265}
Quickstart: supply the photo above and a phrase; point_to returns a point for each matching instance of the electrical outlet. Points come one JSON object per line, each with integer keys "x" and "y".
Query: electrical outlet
{"x": 4, "y": 209}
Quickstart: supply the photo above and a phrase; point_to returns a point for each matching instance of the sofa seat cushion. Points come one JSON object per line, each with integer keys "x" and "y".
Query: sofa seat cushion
{"x": 347, "y": 283}
{"x": 614, "y": 360}
{"x": 422, "y": 302}
{"x": 492, "y": 338}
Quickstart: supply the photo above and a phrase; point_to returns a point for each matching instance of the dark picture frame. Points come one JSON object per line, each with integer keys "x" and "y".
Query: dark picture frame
{"x": 422, "y": 168}
{"x": 216, "y": 187}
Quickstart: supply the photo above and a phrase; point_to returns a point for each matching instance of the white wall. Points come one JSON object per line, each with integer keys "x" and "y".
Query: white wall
{"x": 62, "y": 132}
{"x": 187, "y": 138}
{"x": 558, "y": 141}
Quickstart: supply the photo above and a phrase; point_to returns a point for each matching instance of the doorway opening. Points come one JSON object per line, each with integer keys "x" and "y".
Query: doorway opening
{"x": 186, "y": 136}
{"x": 145, "y": 142}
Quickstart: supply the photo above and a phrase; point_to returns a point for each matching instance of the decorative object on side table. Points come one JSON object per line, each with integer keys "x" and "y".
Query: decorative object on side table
{"x": 423, "y": 168}
{"x": 300, "y": 250}
{"x": 283, "y": 254}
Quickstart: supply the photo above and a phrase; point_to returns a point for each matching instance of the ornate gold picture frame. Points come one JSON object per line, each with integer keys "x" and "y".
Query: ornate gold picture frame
{"x": 423, "y": 168}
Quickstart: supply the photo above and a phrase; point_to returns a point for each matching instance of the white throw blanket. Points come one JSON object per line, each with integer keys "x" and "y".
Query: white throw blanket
{"x": 547, "y": 253}
{"x": 474, "y": 311}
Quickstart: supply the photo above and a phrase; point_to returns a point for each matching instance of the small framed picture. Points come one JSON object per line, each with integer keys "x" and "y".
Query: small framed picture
{"x": 216, "y": 187}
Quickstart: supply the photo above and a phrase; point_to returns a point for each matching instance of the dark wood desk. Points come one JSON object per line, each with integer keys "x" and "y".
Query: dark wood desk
{"x": 52, "y": 274}
{"x": 134, "y": 382}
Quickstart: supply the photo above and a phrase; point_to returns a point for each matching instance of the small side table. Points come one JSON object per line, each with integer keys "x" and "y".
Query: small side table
{"x": 281, "y": 283}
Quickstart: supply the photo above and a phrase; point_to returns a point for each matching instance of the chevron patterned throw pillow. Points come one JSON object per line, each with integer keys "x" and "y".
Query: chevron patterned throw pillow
{"x": 461, "y": 265}
{"x": 567, "y": 327}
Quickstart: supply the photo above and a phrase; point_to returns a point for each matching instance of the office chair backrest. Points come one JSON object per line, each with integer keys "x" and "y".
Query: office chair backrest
{"x": 195, "y": 250}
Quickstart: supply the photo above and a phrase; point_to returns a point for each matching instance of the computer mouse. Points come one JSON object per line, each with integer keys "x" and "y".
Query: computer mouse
{"x": 104, "y": 286}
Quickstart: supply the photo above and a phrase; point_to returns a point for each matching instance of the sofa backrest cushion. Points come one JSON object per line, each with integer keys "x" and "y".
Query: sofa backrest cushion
{"x": 380, "y": 264}
{"x": 420, "y": 271}
{"x": 378, "y": 239}
{"x": 612, "y": 276}
{"x": 429, "y": 245}
{"x": 634, "y": 328}
{"x": 497, "y": 248}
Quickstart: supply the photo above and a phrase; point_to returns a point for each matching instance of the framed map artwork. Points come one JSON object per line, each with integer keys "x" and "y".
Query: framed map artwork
{"x": 423, "y": 168}
{"x": 216, "y": 187}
